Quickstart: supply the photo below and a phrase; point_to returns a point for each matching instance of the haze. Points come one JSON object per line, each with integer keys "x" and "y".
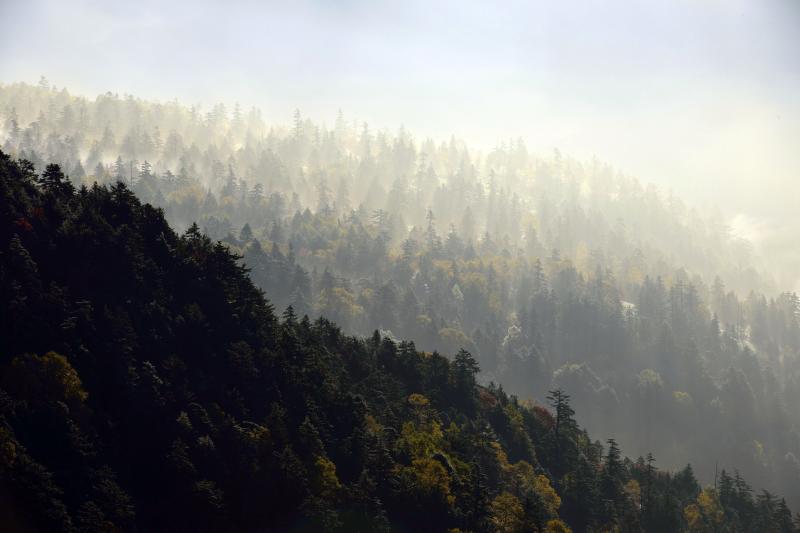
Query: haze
{"x": 408, "y": 266}
{"x": 696, "y": 97}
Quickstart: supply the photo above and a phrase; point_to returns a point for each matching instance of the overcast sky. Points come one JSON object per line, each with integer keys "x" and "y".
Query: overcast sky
{"x": 699, "y": 96}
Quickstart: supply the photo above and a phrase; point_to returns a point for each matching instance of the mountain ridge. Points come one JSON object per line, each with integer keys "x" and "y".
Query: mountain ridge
{"x": 146, "y": 384}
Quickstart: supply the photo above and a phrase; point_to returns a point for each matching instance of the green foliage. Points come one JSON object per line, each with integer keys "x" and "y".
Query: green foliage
{"x": 550, "y": 272}
{"x": 146, "y": 384}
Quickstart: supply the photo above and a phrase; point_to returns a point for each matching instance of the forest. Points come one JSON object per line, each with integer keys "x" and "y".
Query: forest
{"x": 385, "y": 328}
{"x": 147, "y": 384}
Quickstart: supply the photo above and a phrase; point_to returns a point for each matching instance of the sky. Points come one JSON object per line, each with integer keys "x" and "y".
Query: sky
{"x": 701, "y": 97}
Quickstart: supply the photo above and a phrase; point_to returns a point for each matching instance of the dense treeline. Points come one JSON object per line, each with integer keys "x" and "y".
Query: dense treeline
{"x": 664, "y": 374}
{"x": 146, "y": 384}
{"x": 589, "y": 212}
{"x": 551, "y": 273}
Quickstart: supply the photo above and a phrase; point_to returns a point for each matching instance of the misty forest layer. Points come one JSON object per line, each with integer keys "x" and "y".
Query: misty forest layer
{"x": 665, "y": 330}
{"x": 148, "y": 385}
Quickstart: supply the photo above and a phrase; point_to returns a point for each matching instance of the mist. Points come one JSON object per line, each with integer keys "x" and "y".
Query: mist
{"x": 490, "y": 247}
{"x": 697, "y": 98}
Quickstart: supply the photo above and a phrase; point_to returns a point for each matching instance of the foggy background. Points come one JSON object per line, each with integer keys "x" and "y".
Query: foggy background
{"x": 700, "y": 98}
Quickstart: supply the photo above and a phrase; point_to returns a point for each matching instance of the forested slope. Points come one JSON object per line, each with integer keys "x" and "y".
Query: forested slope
{"x": 592, "y": 213}
{"x": 552, "y": 273}
{"x": 146, "y": 384}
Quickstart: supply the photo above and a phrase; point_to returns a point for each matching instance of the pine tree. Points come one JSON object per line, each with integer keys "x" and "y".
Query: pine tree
{"x": 564, "y": 424}
{"x": 119, "y": 170}
{"x": 54, "y": 181}
{"x": 611, "y": 482}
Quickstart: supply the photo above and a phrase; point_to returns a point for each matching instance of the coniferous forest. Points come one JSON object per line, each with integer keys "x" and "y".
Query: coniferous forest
{"x": 153, "y": 387}
{"x": 211, "y": 324}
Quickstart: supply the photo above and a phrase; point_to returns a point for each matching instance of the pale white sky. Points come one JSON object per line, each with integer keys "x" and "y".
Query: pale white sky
{"x": 697, "y": 96}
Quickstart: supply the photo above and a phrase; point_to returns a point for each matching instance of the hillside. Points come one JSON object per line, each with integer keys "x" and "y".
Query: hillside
{"x": 552, "y": 273}
{"x": 148, "y": 385}
{"x": 590, "y": 212}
